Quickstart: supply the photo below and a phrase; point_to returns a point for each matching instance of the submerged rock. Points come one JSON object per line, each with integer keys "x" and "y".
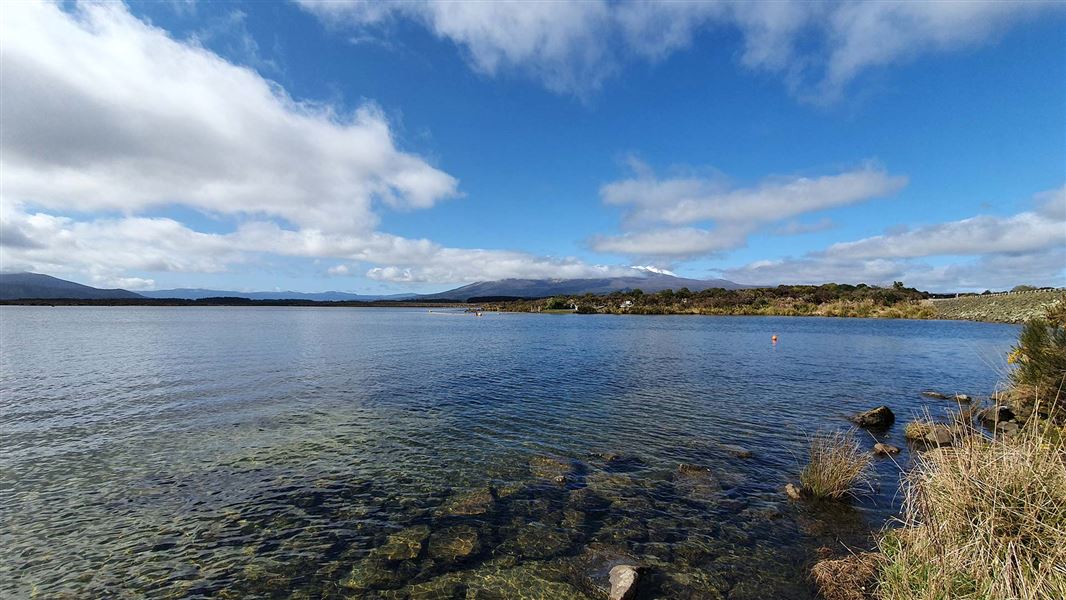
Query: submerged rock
{"x": 477, "y": 502}
{"x": 538, "y": 542}
{"x": 624, "y": 582}
{"x": 696, "y": 481}
{"x": 881, "y": 449}
{"x": 403, "y": 545}
{"x": 880, "y": 417}
{"x": 934, "y": 395}
{"x": 737, "y": 451}
{"x": 454, "y": 543}
{"x": 794, "y": 491}
{"x": 691, "y": 470}
{"x": 555, "y": 468}
{"x": 373, "y": 574}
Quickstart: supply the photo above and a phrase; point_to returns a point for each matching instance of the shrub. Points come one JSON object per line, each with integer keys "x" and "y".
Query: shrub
{"x": 1040, "y": 357}
{"x": 837, "y": 466}
{"x": 983, "y": 519}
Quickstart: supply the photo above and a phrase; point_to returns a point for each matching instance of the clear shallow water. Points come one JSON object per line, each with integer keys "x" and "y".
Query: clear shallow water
{"x": 397, "y": 453}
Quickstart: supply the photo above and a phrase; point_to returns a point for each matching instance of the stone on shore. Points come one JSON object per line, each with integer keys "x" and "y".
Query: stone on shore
{"x": 963, "y": 398}
{"x": 624, "y": 582}
{"x": 995, "y": 414}
{"x": 881, "y": 449}
{"x": 879, "y": 418}
{"x": 933, "y": 434}
{"x": 794, "y": 491}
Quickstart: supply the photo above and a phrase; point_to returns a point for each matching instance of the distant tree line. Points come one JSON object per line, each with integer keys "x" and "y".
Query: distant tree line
{"x": 828, "y": 300}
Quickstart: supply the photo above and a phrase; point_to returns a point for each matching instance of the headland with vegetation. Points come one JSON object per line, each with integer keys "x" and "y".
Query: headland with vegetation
{"x": 828, "y": 300}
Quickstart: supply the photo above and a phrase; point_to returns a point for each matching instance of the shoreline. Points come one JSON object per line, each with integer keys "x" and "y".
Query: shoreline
{"x": 249, "y": 303}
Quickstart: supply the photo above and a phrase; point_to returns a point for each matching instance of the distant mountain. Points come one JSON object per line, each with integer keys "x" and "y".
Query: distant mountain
{"x": 542, "y": 288}
{"x": 198, "y": 293}
{"x": 34, "y": 285}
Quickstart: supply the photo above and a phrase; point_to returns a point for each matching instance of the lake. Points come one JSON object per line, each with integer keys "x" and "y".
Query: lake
{"x": 402, "y": 453}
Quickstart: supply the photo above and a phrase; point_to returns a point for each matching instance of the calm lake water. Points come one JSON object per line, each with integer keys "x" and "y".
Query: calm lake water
{"x": 399, "y": 453}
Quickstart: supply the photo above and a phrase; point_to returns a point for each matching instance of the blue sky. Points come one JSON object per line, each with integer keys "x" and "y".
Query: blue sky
{"x": 419, "y": 146}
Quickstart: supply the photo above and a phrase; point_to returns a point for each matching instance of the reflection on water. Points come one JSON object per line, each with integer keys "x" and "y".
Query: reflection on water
{"x": 380, "y": 453}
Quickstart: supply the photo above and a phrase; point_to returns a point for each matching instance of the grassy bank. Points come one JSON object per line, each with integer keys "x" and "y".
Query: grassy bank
{"x": 984, "y": 512}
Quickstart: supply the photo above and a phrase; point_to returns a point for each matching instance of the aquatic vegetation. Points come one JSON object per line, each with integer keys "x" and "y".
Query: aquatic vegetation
{"x": 837, "y": 466}
{"x": 985, "y": 518}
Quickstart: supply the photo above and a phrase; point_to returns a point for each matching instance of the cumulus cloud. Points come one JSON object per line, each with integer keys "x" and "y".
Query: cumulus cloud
{"x": 661, "y": 209}
{"x": 103, "y": 112}
{"x": 106, "y": 248}
{"x": 105, "y": 115}
{"x": 573, "y": 47}
{"x": 1028, "y": 247}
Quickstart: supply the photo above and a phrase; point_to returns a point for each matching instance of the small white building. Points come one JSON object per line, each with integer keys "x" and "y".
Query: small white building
{"x": 626, "y": 303}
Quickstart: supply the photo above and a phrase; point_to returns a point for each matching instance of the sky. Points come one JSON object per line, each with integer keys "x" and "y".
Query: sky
{"x": 418, "y": 146}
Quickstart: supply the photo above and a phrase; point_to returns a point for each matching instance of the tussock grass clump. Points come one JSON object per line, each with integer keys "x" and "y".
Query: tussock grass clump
{"x": 850, "y": 578}
{"x": 983, "y": 519}
{"x": 837, "y": 466}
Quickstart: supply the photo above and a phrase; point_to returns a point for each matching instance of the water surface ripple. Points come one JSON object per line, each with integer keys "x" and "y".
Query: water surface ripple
{"x": 306, "y": 453}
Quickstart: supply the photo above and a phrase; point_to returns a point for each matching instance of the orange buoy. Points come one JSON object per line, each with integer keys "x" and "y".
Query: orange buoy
{"x": 773, "y": 338}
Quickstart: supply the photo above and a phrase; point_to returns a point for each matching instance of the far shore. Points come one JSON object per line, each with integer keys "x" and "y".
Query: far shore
{"x": 1016, "y": 308}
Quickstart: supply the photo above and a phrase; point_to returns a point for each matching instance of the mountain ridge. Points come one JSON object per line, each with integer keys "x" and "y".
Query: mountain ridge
{"x": 24, "y": 285}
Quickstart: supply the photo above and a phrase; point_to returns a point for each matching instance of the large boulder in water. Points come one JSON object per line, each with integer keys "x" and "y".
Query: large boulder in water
{"x": 881, "y": 417}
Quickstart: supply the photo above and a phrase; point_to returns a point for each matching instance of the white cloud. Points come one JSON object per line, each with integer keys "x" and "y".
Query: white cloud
{"x": 106, "y": 115}
{"x": 106, "y": 248}
{"x": 684, "y": 200}
{"x": 674, "y": 242}
{"x": 661, "y": 209}
{"x": 1028, "y": 247}
{"x": 103, "y": 112}
{"x": 799, "y": 228}
{"x": 1029, "y": 231}
{"x": 573, "y": 47}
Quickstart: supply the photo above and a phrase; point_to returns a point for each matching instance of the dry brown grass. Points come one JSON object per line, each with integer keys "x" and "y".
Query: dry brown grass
{"x": 982, "y": 519}
{"x": 851, "y": 578}
{"x": 837, "y": 466}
